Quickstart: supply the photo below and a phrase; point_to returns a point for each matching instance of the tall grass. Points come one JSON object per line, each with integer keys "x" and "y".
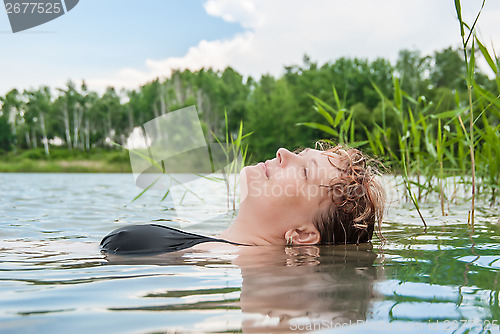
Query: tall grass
{"x": 235, "y": 150}
{"x": 438, "y": 156}
{"x": 470, "y": 67}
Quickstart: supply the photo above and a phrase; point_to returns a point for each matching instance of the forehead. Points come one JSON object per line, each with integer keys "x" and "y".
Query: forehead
{"x": 321, "y": 156}
{"x": 323, "y": 165}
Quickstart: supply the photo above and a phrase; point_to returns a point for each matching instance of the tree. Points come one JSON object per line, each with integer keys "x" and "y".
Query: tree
{"x": 413, "y": 71}
{"x": 448, "y": 69}
{"x": 37, "y": 106}
{"x": 6, "y": 136}
{"x": 273, "y": 113}
{"x": 12, "y": 109}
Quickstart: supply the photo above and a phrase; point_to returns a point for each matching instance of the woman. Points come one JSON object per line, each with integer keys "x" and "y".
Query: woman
{"x": 316, "y": 196}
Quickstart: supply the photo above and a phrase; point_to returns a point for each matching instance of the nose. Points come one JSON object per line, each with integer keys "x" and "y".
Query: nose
{"x": 283, "y": 155}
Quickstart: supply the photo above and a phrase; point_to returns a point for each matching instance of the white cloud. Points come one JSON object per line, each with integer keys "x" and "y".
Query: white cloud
{"x": 216, "y": 54}
{"x": 280, "y": 32}
{"x": 243, "y": 12}
{"x": 125, "y": 78}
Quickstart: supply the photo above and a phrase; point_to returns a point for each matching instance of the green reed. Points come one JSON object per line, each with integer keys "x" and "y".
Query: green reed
{"x": 233, "y": 146}
{"x": 489, "y": 132}
{"x": 437, "y": 155}
{"x": 235, "y": 149}
{"x": 470, "y": 68}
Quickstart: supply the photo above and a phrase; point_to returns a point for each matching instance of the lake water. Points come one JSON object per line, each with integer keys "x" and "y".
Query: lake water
{"x": 53, "y": 278}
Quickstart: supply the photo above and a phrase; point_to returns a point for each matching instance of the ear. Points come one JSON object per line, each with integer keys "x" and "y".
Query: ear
{"x": 303, "y": 235}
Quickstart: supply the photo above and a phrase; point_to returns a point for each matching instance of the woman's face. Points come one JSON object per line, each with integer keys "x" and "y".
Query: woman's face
{"x": 287, "y": 189}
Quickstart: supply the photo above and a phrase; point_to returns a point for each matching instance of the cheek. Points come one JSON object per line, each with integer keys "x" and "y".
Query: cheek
{"x": 288, "y": 195}
{"x": 302, "y": 200}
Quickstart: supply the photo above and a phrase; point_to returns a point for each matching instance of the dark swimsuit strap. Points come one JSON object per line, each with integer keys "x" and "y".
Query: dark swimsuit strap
{"x": 153, "y": 238}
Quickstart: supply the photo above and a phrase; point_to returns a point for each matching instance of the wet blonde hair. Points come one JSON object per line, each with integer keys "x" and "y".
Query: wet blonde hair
{"x": 357, "y": 198}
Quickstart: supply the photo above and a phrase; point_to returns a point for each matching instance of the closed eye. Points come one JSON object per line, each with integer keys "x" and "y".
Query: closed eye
{"x": 305, "y": 172}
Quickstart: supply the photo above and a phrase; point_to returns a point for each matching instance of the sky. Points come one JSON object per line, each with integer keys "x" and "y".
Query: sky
{"x": 127, "y": 43}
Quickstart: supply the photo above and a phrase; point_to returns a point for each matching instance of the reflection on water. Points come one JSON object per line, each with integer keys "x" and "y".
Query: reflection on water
{"x": 53, "y": 277}
{"x": 280, "y": 286}
{"x": 311, "y": 284}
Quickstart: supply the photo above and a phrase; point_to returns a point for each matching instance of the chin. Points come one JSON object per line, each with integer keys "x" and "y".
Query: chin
{"x": 243, "y": 184}
{"x": 250, "y": 173}
{"x": 251, "y": 182}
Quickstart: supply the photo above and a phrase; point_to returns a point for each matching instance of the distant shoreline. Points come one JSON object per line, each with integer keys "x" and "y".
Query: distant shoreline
{"x": 65, "y": 161}
{"x": 75, "y": 166}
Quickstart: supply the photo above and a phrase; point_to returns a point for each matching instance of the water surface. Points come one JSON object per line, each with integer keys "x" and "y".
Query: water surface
{"x": 53, "y": 278}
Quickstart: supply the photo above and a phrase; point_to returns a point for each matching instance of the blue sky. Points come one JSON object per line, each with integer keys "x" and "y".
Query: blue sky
{"x": 126, "y": 43}
{"x": 102, "y": 36}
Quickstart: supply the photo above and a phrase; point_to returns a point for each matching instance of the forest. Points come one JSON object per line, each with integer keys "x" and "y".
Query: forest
{"x": 409, "y": 114}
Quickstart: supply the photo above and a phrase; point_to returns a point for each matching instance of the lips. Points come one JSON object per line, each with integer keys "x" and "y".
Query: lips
{"x": 263, "y": 164}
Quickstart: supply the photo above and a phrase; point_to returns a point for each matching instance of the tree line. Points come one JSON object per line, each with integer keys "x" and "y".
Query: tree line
{"x": 270, "y": 107}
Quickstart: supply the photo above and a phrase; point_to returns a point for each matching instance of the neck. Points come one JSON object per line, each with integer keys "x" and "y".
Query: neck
{"x": 241, "y": 232}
